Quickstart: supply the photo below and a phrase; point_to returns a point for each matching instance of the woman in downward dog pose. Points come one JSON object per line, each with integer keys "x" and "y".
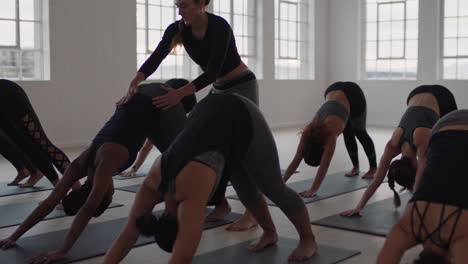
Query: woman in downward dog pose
{"x": 344, "y": 111}
{"x": 437, "y": 214}
{"x": 410, "y": 139}
{"x": 112, "y": 150}
{"x": 23, "y": 131}
{"x": 188, "y": 172}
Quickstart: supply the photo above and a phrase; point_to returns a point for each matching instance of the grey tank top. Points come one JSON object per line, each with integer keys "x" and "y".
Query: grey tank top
{"x": 415, "y": 117}
{"x": 333, "y": 108}
{"x": 457, "y": 117}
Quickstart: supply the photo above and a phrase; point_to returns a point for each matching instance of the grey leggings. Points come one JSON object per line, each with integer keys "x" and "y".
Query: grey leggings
{"x": 259, "y": 172}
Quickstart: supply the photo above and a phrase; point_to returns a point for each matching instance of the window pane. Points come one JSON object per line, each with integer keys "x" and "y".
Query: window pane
{"x": 167, "y": 3}
{"x": 292, "y": 31}
{"x": 397, "y": 49}
{"x": 412, "y": 49}
{"x": 412, "y": 29}
{"x": 283, "y": 10}
{"x": 463, "y": 27}
{"x": 141, "y": 41}
{"x": 239, "y": 25}
{"x": 283, "y": 30}
{"x": 293, "y": 14}
{"x": 167, "y": 16}
{"x": 462, "y": 69}
{"x": 154, "y": 37}
{"x": 450, "y": 47}
{"x": 451, "y": 8}
{"x": 28, "y": 68}
{"x": 9, "y": 62}
{"x": 8, "y": 10}
{"x": 238, "y": 6}
{"x": 26, "y": 8}
{"x": 154, "y": 17}
{"x": 371, "y": 50}
{"x": 463, "y": 47}
{"x": 27, "y": 35}
{"x": 384, "y": 49}
{"x": 292, "y": 49}
{"x": 463, "y": 9}
{"x": 154, "y": 2}
{"x": 8, "y": 35}
{"x": 451, "y": 27}
{"x": 385, "y": 31}
{"x": 371, "y": 31}
{"x": 398, "y": 30}
{"x": 385, "y": 12}
{"x": 412, "y": 9}
{"x": 141, "y": 1}
{"x": 398, "y": 11}
{"x": 383, "y": 69}
{"x": 411, "y": 69}
{"x": 141, "y": 16}
{"x": 371, "y": 14}
{"x": 450, "y": 69}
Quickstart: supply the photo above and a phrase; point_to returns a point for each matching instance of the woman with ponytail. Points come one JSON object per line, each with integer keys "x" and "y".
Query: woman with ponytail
{"x": 426, "y": 104}
{"x": 188, "y": 172}
{"x": 436, "y": 216}
{"x": 209, "y": 41}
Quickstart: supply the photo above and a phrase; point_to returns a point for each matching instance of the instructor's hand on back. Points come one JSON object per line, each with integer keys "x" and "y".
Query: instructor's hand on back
{"x": 132, "y": 89}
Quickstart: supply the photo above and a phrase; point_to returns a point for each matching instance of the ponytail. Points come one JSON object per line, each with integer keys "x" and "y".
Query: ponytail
{"x": 177, "y": 40}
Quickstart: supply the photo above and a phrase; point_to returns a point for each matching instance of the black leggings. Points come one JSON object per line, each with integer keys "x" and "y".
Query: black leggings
{"x": 356, "y": 126}
{"x": 20, "y": 123}
{"x": 15, "y": 156}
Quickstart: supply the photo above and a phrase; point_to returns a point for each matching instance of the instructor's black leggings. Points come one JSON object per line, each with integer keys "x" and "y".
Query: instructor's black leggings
{"x": 356, "y": 126}
{"x": 20, "y": 123}
{"x": 14, "y": 155}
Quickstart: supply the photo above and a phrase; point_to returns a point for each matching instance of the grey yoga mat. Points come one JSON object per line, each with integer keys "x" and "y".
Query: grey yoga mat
{"x": 277, "y": 254}
{"x": 94, "y": 241}
{"x": 377, "y": 219}
{"x": 143, "y": 174}
{"x": 333, "y": 185}
{"x": 130, "y": 188}
{"x": 42, "y": 185}
{"x": 15, "y": 214}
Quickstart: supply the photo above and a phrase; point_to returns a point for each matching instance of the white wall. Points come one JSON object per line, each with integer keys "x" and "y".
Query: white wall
{"x": 386, "y": 99}
{"x": 93, "y": 58}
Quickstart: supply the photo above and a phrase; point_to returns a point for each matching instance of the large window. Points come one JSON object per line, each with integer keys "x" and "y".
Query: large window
{"x": 390, "y": 39}
{"x": 242, "y": 16}
{"x": 23, "y": 40}
{"x": 294, "y": 39}
{"x": 455, "y": 41}
{"x": 153, "y": 17}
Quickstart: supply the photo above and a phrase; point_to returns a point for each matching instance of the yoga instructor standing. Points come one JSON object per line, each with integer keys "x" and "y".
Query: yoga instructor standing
{"x": 209, "y": 41}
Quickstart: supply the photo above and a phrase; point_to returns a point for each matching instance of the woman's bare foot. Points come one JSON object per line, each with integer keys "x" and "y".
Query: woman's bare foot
{"x": 353, "y": 172}
{"x": 32, "y": 180}
{"x": 219, "y": 212}
{"x": 267, "y": 239}
{"x": 370, "y": 174}
{"x": 22, "y": 174}
{"x": 245, "y": 222}
{"x": 305, "y": 250}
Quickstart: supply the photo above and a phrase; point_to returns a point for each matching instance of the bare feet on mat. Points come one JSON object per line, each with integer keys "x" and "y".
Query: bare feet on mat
{"x": 370, "y": 174}
{"x": 353, "y": 172}
{"x": 305, "y": 250}
{"x": 308, "y": 194}
{"x": 23, "y": 174}
{"x": 267, "y": 239}
{"x": 32, "y": 180}
{"x": 245, "y": 222}
{"x": 219, "y": 212}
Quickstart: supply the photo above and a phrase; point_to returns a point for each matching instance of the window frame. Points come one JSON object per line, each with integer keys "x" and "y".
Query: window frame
{"x": 442, "y": 44}
{"x": 40, "y": 35}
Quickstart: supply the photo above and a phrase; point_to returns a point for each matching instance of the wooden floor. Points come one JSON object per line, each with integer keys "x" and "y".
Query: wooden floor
{"x": 287, "y": 140}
